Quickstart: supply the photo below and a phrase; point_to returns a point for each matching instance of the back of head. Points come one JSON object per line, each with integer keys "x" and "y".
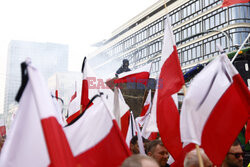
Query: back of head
{"x": 139, "y": 160}
{"x": 191, "y": 159}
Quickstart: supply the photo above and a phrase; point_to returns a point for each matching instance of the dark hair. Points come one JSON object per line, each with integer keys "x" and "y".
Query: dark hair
{"x": 135, "y": 139}
{"x": 236, "y": 143}
{"x": 151, "y": 145}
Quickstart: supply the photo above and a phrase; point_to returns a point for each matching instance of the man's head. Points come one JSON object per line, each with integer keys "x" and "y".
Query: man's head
{"x": 234, "y": 157}
{"x": 157, "y": 150}
{"x": 125, "y": 63}
{"x": 191, "y": 159}
{"x": 139, "y": 160}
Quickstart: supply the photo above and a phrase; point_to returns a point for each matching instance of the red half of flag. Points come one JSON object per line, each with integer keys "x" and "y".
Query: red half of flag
{"x": 232, "y": 2}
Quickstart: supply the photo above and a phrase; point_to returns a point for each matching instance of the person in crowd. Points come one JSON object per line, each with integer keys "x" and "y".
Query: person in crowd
{"x": 134, "y": 147}
{"x": 191, "y": 159}
{"x": 123, "y": 68}
{"x": 157, "y": 150}
{"x": 139, "y": 160}
{"x": 234, "y": 157}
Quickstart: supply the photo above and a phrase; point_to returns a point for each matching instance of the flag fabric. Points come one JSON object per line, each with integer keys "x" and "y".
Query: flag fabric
{"x": 132, "y": 130}
{"x": 232, "y": 2}
{"x": 36, "y": 138}
{"x": 74, "y": 109}
{"x": 2, "y": 130}
{"x": 139, "y": 75}
{"x": 92, "y": 85}
{"x": 147, "y": 104}
{"x": 215, "y": 109}
{"x": 164, "y": 110}
{"x": 95, "y": 137}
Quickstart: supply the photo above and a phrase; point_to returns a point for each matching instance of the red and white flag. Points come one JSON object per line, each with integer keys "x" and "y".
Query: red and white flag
{"x": 232, "y": 2}
{"x": 36, "y": 138}
{"x": 92, "y": 85}
{"x": 74, "y": 106}
{"x": 95, "y": 138}
{"x": 164, "y": 110}
{"x": 140, "y": 75}
{"x": 215, "y": 109}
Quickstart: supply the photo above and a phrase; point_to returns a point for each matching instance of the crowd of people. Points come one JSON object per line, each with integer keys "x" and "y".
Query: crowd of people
{"x": 157, "y": 156}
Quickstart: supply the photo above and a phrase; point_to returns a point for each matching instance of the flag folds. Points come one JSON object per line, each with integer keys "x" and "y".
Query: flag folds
{"x": 37, "y": 139}
{"x": 164, "y": 110}
{"x": 139, "y": 75}
{"x": 215, "y": 109}
{"x": 232, "y": 2}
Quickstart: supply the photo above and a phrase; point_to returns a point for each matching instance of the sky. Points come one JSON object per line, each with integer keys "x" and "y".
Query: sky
{"x": 76, "y": 23}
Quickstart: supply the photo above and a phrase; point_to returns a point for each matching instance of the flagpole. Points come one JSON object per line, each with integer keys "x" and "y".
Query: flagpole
{"x": 240, "y": 48}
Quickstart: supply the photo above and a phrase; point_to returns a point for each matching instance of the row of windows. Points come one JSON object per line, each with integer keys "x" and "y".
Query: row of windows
{"x": 214, "y": 20}
{"x": 191, "y": 9}
{"x": 211, "y": 22}
{"x": 204, "y": 49}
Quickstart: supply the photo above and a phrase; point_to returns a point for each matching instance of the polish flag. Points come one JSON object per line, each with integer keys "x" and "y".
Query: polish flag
{"x": 73, "y": 108}
{"x": 232, "y": 2}
{"x": 215, "y": 109}
{"x": 95, "y": 138}
{"x": 164, "y": 110}
{"x": 139, "y": 75}
{"x": 45, "y": 143}
{"x": 36, "y": 138}
{"x": 92, "y": 85}
{"x": 147, "y": 104}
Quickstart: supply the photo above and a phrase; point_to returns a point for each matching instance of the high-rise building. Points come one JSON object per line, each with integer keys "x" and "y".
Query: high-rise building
{"x": 198, "y": 25}
{"x": 47, "y": 57}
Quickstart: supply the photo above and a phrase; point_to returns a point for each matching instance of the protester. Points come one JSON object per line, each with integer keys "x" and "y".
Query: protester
{"x": 139, "y": 160}
{"x": 124, "y": 67}
{"x": 191, "y": 159}
{"x": 134, "y": 147}
{"x": 157, "y": 150}
{"x": 234, "y": 157}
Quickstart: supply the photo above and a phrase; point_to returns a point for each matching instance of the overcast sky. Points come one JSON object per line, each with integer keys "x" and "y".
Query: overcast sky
{"x": 76, "y": 23}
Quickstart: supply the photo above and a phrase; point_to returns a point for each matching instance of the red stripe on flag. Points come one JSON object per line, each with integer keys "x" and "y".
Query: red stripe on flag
{"x": 232, "y": 2}
{"x": 125, "y": 123}
{"x": 85, "y": 95}
{"x": 144, "y": 110}
{"x": 58, "y": 147}
{"x": 168, "y": 118}
{"x": 73, "y": 117}
{"x": 115, "y": 156}
{"x": 138, "y": 77}
{"x": 233, "y": 108}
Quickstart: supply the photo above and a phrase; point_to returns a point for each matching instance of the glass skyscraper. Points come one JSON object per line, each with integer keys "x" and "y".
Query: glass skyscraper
{"x": 47, "y": 57}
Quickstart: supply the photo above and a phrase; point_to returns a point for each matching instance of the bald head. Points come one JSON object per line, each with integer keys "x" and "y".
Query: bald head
{"x": 191, "y": 159}
{"x": 139, "y": 160}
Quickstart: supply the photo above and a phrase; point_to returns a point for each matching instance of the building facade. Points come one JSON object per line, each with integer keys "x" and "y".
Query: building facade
{"x": 198, "y": 25}
{"x": 47, "y": 57}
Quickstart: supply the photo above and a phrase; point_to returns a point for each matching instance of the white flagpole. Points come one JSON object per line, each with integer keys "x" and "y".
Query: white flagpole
{"x": 240, "y": 48}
